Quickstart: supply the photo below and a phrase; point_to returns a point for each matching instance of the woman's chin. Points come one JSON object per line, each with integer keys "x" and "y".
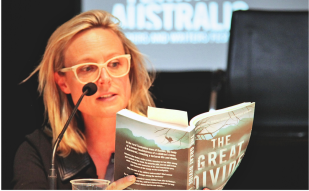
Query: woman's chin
{"x": 110, "y": 111}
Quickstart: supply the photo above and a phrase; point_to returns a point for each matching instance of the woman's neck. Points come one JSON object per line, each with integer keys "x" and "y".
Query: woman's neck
{"x": 100, "y": 133}
{"x": 100, "y": 140}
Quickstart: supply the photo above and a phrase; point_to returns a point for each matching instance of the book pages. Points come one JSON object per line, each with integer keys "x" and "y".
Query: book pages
{"x": 168, "y": 116}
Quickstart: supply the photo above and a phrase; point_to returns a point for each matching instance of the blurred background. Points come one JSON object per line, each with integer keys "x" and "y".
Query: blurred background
{"x": 188, "y": 43}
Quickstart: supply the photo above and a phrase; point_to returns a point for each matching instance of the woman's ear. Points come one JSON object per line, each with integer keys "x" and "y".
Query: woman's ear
{"x": 61, "y": 81}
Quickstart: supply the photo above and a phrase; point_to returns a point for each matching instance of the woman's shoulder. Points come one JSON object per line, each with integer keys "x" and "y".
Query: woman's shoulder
{"x": 39, "y": 137}
{"x": 33, "y": 156}
{"x": 38, "y": 143}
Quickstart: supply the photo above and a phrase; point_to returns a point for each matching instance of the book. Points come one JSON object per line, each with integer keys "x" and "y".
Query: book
{"x": 164, "y": 152}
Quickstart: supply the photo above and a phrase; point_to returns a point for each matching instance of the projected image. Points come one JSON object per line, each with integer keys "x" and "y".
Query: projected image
{"x": 182, "y": 35}
{"x": 176, "y": 23}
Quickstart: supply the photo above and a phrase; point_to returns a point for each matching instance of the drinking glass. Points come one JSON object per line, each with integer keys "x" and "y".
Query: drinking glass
{"x": 89, "y": 184}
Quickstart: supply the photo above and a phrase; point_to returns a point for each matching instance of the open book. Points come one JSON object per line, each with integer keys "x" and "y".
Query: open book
{"x": 172, "y": 155}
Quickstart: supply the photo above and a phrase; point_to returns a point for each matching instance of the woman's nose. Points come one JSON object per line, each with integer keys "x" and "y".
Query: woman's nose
{"x": 104, "y": 76}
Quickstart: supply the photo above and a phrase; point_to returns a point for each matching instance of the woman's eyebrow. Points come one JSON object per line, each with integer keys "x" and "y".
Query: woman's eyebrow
{"x": 90, "y": 59}
{"x": 83, "y": 60}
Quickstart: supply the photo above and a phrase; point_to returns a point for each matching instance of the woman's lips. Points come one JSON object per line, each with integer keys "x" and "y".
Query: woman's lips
{"x": 106, "y": 97}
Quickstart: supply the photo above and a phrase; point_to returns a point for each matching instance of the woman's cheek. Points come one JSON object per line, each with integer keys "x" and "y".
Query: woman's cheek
{"x": 128, "y": 93}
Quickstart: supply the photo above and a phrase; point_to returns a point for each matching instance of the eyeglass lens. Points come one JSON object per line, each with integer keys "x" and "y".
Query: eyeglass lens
{"x": 116, "y": 67}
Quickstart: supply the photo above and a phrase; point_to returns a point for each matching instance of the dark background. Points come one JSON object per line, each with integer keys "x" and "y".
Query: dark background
{"x": 26, "y": 27}
{"x": 272, "y": 161}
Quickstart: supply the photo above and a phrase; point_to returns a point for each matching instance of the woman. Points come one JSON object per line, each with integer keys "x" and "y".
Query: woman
{"x": 88, "y": 48}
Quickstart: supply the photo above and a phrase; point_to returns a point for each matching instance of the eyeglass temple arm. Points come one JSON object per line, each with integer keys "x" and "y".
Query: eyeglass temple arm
{"x": 65, "y": 69}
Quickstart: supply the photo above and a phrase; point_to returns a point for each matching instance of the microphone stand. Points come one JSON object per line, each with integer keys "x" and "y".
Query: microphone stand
{"x": 52, "y": 178}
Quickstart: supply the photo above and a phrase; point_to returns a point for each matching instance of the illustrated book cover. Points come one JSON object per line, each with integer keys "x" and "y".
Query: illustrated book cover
{"x": 164, "y": 152}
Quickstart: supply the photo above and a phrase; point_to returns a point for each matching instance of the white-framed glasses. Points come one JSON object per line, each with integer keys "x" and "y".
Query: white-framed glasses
{"x": 90, "y": 72}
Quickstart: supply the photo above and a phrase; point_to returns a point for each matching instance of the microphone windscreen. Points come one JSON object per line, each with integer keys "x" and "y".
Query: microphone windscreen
{"x": 91, "y": 87}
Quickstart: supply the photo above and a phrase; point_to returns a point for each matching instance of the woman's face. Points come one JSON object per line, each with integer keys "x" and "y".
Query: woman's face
{"x": 97, "y": 46}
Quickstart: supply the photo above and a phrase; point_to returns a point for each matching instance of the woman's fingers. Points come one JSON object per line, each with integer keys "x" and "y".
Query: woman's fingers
{"x": 125, "y": 182}
{"x": 122, "y": 183}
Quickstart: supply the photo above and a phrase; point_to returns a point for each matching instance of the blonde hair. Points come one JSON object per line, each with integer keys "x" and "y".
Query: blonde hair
{"x": 57, "y": 105}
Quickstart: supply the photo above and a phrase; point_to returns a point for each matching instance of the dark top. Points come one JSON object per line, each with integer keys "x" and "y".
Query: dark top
{"x": 32, "y": 164}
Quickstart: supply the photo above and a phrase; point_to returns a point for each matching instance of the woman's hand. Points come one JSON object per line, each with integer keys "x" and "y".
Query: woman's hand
{"x": 122, "y": 183}
{"x": 125, "y": 182}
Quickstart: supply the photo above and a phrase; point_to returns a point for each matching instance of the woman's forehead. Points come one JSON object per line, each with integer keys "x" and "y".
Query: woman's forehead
{"x": 93, "y": 44}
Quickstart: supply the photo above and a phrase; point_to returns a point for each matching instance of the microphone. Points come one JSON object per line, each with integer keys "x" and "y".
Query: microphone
{"x": 88, "y": 90}
{"x": 91, "y": 87}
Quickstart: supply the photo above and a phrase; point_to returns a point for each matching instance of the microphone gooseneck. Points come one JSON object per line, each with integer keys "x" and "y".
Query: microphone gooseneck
{"x": 88, "y": 90}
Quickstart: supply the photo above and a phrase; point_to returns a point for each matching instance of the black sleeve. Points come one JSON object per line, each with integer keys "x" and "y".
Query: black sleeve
{"x": 29, "y": 171}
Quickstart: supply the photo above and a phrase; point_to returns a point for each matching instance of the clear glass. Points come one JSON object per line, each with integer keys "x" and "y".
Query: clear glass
{"x": 90, "y": 72}
{"x": 89, "y": 184}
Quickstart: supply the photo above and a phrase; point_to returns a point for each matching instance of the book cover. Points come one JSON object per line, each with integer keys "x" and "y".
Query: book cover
{"x": 221, "y": 141}
{"x": 173, "y": 157}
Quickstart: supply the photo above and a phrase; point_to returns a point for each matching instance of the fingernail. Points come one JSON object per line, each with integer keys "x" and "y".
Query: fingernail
{"x": 131, "y": 178}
